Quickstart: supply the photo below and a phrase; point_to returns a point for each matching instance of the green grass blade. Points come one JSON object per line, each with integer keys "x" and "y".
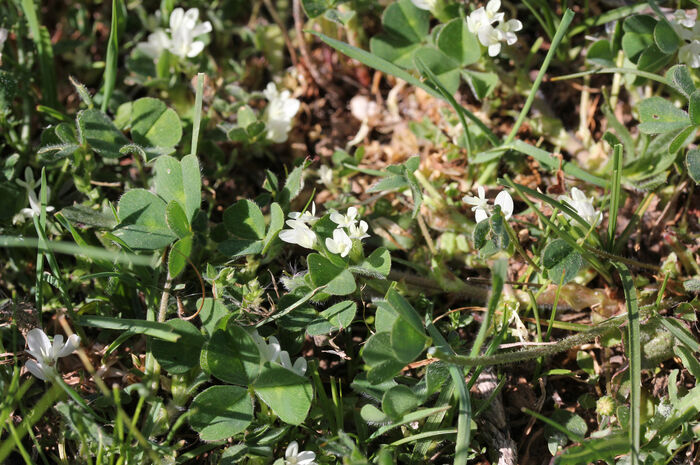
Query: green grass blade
{"x": 109, "y": 77}
{"x": 149, "y": 328}
{"x": 384, "y": 66}
{"x": 635, "y": 362}
{"x": 426, "y": 71}
{"x": 40, "y": 36}
{"x": 561, "y": 30}
{"x": 615, "y": 192}
{"x": 73, "y": 249}
{"x": 464, "y": 416}
{"x": 554, "y": 163}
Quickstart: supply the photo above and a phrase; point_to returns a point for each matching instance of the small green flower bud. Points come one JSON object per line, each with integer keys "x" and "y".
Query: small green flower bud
{"x": 605, "y": 406}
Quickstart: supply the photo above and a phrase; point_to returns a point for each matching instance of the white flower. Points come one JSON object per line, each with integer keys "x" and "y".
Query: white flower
{"x": 269, "y": 351}
{"x": 480, "y": 22}
{"x": 34, "y": 204}
{"x": 308, "y": 217}
{"x": 340, "y": 244}
{"x": 480, "y": 204}
{"x": 299, "y": 366}
{"x": 690, "y": 54}
{"x": 683, "y": 18}
{"x": 292, "y": 456}
{"x": 184, "y": 29}
{"x": 300, "y": 234}
{"x": 280, "y": 112}
{"x": 583, "y": 206}
{"x": 508, "y": 29}
{"x": 157, "y": 42}
{"x": 46, "y": 354}
{"x": 346, "y": 220}
{"x": 424, "y": 4}
{"x": 358, "y": 231}
{"x": 325, "y": 176}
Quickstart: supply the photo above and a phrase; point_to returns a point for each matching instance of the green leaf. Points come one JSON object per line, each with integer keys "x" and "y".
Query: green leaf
{"x": 680, "y": 78}
{"x": 405, "y": 27}
{"x": 378, "y": 263}
{"x": 181, "y": 181}
{"x": 276, "y": 224}
{"x": 292, "y": 185}
{"x": 683, "y": 138}
{"x": 81, "y": 214}
{"x": 399, "y": 400}
{"x": 658, "y": 115}
{"x": 652, "y": 59}
{"x": 220, "y": 412}
{"x": 666, "y": 38}
{"x": 231, "y": 355}
{"x": 640, "y": 24}
{"x": 373, "y": 415}
{"x": 180, "y": 356}
{"x": 633, "y": 44}
{"x": 692, "y": 163}
{"x": 595, "y": 450}
{"x": 404, "y": 309}
{"x": 240, "y": 247}
{"x": 153, "y": 124}
{"x": 406, "y": 342}
{"x": 600, "y": 53}
{"x": 98, "y": 131}
{"x": 446, "y": 70}
{"x": 560, "y": 259}
{"x": 177, "y": 219}
{"x": 143, "y": 224}
{"x": 457, "y": 42}
{"x": 380, "y": 357}
{"x": 8, "y": 89}
{"x": 333, "y": 319}
{"x": 572, "y": 422}
{"x": 323, "y": 272}
{"x": 481, "y": 84}
{"x": 285, "y": 392}
{"x": 213, "y": 310}
{"x": 694, "y": 107}
{"x": 314, "y": 8}
{"x": 245, "y": 220}
{"x": 179, "y": 253}
{"x": 389, "y": 183}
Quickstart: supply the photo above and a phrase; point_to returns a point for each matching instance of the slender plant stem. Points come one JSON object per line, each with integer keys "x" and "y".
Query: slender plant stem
{"x": 561, "y": 30}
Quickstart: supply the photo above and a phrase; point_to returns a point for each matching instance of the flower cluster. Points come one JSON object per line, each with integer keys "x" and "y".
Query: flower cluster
{"x": 300, "y": 232}
{"x": 481, "y": 207}
{"x": 685, "y": 26}
{"x": 348, "y": 229}
{"x": 280, "y": 112}
{"x": 341, "y": 243}
{"x": 583, "y": 206}
{"x": 271, "y": 351}
{"x": 46, "y": 354}
{"x": 481, "y": 20}
{"x": 292, "y": 456}
{"x": 30, "y": 184}
{"x": 179, "y": 39}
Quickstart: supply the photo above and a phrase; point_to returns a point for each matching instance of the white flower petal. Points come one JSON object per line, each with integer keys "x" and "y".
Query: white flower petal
{"x": 71, "y": 344}
{"x": 34, "y": 368}
{"x": 505, "y": 201}
{"x": 176, "y": 18}
{"x": 292, "y": 449}
{"x": 300, "y": 366}
{"x": 480, "y": 215}
{"x": 38, "y": 343}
